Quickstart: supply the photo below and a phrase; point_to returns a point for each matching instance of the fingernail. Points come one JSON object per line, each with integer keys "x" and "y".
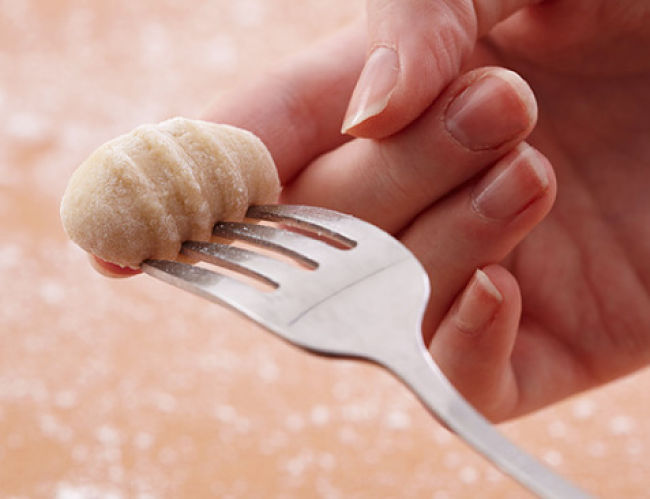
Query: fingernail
{"x": 493, "y": 110}
{"x": 374, "y": 87}
{"x": 111, "y": 269}
{"x": 478, "y": 304}
{"x": 505, "y": 192}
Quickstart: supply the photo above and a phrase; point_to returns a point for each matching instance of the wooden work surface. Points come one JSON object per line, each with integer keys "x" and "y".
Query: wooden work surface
{"x": 129, "y": 388}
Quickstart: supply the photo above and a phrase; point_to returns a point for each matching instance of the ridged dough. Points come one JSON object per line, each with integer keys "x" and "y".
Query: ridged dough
{"x": 142, "y": 194}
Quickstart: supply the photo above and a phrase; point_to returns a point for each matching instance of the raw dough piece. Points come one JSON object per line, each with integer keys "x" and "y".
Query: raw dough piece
{"x": 142, "y": 194}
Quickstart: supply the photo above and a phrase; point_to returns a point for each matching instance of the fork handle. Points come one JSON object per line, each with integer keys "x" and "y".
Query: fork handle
{"x": 420, "y": 373}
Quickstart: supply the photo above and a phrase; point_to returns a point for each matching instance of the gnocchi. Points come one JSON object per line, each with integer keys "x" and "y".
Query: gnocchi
{"x": 142, "y": 194}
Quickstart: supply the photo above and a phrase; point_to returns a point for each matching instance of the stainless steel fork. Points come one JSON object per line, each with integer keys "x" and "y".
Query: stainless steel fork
{"x": 364, "y": 299}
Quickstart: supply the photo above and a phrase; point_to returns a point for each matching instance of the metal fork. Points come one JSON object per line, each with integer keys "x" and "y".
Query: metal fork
{"x": 364, "y": 300}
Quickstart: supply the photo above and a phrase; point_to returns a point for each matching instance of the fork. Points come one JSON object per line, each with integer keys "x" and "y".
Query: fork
{"x": 362, "y": 297}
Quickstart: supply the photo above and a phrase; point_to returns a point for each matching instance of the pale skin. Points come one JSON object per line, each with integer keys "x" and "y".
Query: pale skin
{"x": 561, "y": 304}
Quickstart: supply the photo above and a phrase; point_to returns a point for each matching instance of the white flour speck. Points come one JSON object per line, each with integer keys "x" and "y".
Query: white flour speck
{"x": 398, "y": 420}
{"x": 225, "y": 413}
{"x": 320, "y": 415}
{"x": 268, "y": 371}
{"x": 468, "y": 474}
{"x": 164, "y": 402}
{"x": 248, "y": 13}
{"x": 108, "y": 435}
{"x": 557, "y": 429}
{"x": 584, "y": 409}
{"x": 621, "y": 425}
{"x": 143, "y": 440}
{"x": 52, "y": 292}
{"x": 70, "y": 491}
{"x": 10, "y": 256}
{"x": 28, "y": 128}
{"x": 553, "y": 457}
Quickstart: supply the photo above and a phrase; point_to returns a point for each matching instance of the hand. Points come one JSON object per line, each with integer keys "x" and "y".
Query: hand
{"x": 469, "y": 139}
{"x": 583, "y": 273}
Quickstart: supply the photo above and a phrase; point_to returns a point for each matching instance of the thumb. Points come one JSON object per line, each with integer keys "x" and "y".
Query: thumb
{"x": 416, "y": 48}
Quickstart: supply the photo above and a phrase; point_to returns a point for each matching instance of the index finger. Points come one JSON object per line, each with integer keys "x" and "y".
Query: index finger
{"x": 297, "y": 108}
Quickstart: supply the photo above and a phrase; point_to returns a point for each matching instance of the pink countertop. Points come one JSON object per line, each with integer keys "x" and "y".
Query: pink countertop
{"x": 128, "y": 388}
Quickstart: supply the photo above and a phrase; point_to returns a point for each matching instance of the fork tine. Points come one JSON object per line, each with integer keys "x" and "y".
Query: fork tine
{"x": 320, "y": 220}
{"x": 305, "y": 250}
{"x": 261, "y": 267}
{"x": 215, "y": 287}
